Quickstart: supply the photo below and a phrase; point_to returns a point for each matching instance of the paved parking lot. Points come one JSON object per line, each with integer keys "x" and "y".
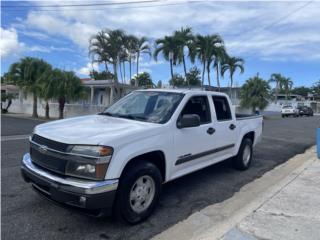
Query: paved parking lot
{"x": 27, "y": 216}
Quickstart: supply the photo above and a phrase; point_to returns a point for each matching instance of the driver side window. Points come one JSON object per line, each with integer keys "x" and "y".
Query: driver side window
{"x": 198, "y": 105}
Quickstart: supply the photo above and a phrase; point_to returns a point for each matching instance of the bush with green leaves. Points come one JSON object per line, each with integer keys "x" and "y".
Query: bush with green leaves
{"x": 254, "y": 94}
{"x": 143, "y": 79}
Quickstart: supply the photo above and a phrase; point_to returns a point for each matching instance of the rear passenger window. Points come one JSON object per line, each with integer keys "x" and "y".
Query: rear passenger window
{"x": 198, "y": 105}
{"x": 222, "y": 108}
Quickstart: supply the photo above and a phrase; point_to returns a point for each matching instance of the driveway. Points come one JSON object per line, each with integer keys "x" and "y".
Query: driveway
{"x": 27, "y": 216}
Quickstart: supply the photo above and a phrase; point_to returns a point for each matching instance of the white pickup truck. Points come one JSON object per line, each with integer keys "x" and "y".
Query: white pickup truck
{"x": 116, "y": 161}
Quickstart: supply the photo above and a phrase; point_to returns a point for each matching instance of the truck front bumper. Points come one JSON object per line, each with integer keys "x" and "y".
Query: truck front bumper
{"x": 92, "y": 197}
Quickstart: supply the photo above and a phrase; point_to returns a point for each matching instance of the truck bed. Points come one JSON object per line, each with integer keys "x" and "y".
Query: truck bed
{"x": 241, "y": 116}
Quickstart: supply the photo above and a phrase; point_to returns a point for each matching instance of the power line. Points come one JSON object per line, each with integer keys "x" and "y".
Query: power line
{"x": 113, "y": 8}
{"x": 286, "y": 16}
{"x": 81, "y": 5}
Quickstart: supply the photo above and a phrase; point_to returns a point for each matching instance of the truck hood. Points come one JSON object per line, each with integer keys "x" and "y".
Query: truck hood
{"x": 95, "y": 130}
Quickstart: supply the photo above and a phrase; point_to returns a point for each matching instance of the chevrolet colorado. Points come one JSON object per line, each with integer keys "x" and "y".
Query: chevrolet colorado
{"x": 116, "y": 161}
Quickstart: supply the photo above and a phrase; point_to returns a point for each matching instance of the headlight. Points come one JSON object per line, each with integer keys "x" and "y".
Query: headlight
{"x": 92, "y": 151}
{"x": 86, "y": 170}
{"x": 90, "y": 162}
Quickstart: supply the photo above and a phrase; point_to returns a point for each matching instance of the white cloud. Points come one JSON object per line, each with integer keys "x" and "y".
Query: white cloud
{"x": 76, "y": 31}
{"x": 88, "y": 68}
{"x": 263, "y": 29}
{"x": 9, "y": 43}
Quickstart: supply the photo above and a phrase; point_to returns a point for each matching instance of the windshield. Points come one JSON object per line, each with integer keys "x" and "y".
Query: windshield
{"x": 149, "y": 106}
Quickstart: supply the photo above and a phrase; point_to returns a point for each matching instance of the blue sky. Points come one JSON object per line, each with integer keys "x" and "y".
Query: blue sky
{"x": 272, "y": 36}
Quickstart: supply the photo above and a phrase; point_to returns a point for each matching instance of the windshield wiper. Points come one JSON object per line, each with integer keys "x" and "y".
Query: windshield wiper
{"x": 106, "y": 114}
{"x": 129, "y": 116}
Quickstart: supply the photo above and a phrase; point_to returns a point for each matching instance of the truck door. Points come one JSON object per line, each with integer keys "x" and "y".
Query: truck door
{"x": 225, "y": 127}
{"x": 192, "y": 145}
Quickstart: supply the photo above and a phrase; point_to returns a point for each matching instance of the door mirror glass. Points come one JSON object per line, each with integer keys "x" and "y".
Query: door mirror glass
{"x": 189, "y": 120}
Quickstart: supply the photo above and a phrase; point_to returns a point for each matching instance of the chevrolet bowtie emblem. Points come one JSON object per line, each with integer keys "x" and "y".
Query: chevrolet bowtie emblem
{"x": 43, "y": 148}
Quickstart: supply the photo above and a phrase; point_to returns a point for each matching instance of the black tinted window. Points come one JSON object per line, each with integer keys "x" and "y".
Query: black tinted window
{"x": 222, "y": 108}
{"x": 198, "y": 105}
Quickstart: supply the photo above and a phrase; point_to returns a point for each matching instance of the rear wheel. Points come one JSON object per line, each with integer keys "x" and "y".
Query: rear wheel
{"x": 138, "y": 192}
{"x": 244, "y": 157}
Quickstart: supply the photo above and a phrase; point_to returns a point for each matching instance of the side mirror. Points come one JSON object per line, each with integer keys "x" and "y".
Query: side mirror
{"x": 188, "y": 120}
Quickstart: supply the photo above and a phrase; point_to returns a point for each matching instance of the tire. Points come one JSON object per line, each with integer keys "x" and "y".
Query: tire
{"x": 283, "y": 116}
{"x": 142, "y": 174}
{"x": 243, "y": 161}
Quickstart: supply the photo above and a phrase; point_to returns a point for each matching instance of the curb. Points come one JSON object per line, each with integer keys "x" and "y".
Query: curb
{"x": 216, "y": 220}
{"x": 24, "y": 116}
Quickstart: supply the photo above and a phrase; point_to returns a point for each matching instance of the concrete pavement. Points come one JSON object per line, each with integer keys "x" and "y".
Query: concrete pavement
{"x": 282, "y": 204}
{"x": 293, "y": 213}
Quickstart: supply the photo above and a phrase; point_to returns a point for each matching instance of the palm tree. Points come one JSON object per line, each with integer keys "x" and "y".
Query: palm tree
{"x": 286, "y": 84}
{"x": 28, "y": 73}
{"x": 109, "y": 44}
{"x": 206, "y": 48}
{"x": 68, "y": 87}
{"x": 231, "y": 64}
{"x": 219, "y": 57}
{"x": 98, "y": 49}
{"x": 185, "y": 39}
{"x": 254, "y": 94}
{"x": 277, "y": 78}
{"x": 142, "y": 47}
{"x": 131, "y": 43}
{"x": 169, "y": 48}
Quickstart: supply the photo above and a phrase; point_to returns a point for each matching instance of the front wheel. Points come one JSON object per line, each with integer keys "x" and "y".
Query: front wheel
{"x": 138, "y": 192}
{"x": 244, "y": 157}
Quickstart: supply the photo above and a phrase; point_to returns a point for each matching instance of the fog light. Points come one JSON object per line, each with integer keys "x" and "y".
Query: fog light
{"x": 82, "y": 201}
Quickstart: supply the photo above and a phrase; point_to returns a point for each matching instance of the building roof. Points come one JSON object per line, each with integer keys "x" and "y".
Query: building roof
{"x": 101, "y": 83}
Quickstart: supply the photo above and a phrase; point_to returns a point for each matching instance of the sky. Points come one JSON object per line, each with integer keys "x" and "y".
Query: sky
{"x": 271, "y": 36}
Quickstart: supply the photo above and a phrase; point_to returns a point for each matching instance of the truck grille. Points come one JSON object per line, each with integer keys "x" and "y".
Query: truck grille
{"x": 50, "y": 143}
{"x": 50, "y": 160}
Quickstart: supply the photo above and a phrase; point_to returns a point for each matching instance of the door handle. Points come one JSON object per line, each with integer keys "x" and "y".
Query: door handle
{"x": 211, "y": 130}
{"x": 232, "y": 126}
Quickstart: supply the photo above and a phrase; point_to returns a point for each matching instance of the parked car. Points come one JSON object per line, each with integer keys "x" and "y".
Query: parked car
{"x": 117, "y": 161}
{"x": 305, "y": 111}
{"x": 287, "y": 111}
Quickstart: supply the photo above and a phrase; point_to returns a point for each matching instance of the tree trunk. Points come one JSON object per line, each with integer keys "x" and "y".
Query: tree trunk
{"x": 115, "y": 87}
{"x": 277, "y": 91}
{"x": 35, "y": 106}
{"x": 106, "y": 66}
{"x": 124, "y": 71}
{"x": 218, "y": 79}
{"x": 62, "y": 101}
{"x": 208, "y": 72}
{"x": 120, "y": 68}
{"x": 203, "y": 71}
{"x": 171, "y": 68}
{"x": 184, "y": 68}
{"x": 231, "y": 83}
{"x": 138, "y": 56}
{"x": 47, "y": 110}
{"x": 130, "y": 69}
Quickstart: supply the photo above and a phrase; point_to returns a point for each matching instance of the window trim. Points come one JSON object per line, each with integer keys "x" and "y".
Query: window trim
{"x": 222, "y": 97}
{"x": 208, "y": 104}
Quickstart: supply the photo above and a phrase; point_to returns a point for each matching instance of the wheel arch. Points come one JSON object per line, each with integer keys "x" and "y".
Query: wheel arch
{"x": 157, "y": 157}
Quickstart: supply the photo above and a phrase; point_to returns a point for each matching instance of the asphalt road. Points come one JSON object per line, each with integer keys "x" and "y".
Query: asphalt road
{"x": 27, "y": 216}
